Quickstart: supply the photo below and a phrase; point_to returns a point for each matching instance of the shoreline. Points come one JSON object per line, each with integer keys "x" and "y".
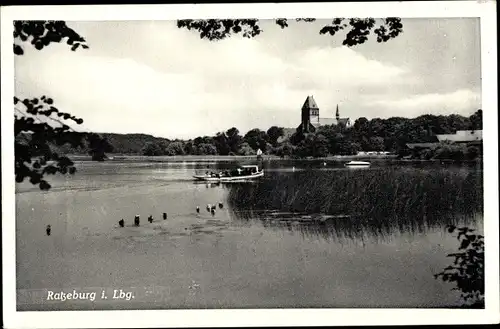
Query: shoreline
{"x": 229, "y": 158}
{"x": 180, "y": 158}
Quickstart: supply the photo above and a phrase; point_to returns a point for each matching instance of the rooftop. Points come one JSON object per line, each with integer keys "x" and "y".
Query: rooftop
{"x": 462, "y": 136}
{"x": 343, "y": 121}
{"x": 431, "y": 146}
{"x": 310, "y": 103}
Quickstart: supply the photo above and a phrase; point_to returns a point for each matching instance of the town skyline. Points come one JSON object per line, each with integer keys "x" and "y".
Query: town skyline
{"x": 131, "y": 81}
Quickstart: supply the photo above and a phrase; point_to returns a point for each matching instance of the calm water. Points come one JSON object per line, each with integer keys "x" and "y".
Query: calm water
{"x": 308, "y": 234}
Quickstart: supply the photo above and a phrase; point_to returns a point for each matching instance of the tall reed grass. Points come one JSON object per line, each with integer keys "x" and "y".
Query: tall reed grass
{"x": 380, "y": 200}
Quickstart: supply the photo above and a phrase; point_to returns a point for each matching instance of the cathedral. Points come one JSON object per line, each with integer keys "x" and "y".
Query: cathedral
{"x": 310, "y": 119}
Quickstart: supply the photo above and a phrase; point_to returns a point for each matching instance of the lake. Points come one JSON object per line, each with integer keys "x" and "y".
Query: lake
{"x": 308, "y": 234}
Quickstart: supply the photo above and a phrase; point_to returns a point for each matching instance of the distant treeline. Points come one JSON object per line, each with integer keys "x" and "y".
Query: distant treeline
{"x": 389, "y": 135}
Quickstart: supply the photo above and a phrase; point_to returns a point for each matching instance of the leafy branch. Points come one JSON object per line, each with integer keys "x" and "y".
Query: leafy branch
{"x": 467, "y": 270}
{"x": 358, "y": 33}
{"x": 33, "y": 155}
{"x": 42, "y": 33}
{"x": 34, "y": 136}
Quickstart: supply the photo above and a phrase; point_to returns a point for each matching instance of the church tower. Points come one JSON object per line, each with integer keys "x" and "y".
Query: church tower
{"x": 337, "y": 114}
{"x": 309, "y": 116}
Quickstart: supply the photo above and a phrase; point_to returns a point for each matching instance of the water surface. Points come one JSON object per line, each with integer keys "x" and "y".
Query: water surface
{"x": 309, "y": 234}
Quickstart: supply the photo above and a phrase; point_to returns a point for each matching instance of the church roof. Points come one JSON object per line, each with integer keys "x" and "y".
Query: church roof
{"x": 343, "y": 121}
{"x": 310, "y": 103}
{"x": 327, "y": 121}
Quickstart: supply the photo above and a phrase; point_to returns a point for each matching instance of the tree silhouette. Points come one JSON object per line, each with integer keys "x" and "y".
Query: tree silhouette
{"x": 38, "y": 124}
{"x": 152, "y": 149}
{"x": 274, "y": 134}
{"x": 98, "y": 147}
{"x": 358, "y": 29}
{"x": 234, "y": 139}
{"x": 477, "y": 120}
{"x": 175, "y": 148}
{"x": 257, "y": 139}
{"x": 222, "y": 143}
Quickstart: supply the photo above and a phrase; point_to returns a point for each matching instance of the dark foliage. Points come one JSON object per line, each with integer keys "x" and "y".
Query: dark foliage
{"x": 358, "y": 32}
{"x": 39, "y": 127}
{"x": 467, "y": 270}
{"x": 392, "y": 135}
{"x": 42, "y": 33}
{"x": 218, "y": 29}
{"x": 98, "y": 147}
{"x": 153, "y": 149}
{"x": 257, "y": 139}
{"x": 34, "y": 157}
{"x": 234, "y": 140}
{"x": 476, "y": 120}
{"x": 222, "y": 144}
{"x": 274, "y": 133}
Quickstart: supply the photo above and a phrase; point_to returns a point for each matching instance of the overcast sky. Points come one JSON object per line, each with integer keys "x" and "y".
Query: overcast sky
{"x": 151, "y": 77}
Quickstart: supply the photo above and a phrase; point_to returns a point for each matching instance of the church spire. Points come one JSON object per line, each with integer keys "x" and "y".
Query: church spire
{"x": 337, "y": 114}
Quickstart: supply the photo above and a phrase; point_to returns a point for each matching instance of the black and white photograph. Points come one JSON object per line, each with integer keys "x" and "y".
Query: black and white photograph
{"x": 267, "y": 161}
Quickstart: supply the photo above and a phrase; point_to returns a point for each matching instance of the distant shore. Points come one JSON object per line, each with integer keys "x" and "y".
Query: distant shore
{"x": 181, "y": 158}
{"x": 229, "y": 158}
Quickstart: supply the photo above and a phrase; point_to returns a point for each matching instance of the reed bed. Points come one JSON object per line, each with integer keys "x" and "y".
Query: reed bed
{"x": 380, "y": 201}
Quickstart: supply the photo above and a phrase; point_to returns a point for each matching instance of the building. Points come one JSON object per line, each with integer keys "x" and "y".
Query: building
{"x": 311, "y": 120}
{"x": 343, "y": 122}
{"x": 462, "y": 136}
{"x": 421, "y": 146}
{"x": 469, "y": 137}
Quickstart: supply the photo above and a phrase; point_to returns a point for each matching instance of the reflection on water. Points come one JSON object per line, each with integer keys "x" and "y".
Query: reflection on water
{"x": 314, "y": 236}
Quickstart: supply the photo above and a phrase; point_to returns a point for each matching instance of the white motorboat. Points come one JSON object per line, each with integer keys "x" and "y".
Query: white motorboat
{"x": 358, "y": 164}
{"x": 241, "y": 173}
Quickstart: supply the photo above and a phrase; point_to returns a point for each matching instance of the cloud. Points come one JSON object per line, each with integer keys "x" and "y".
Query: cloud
{"x": 342, "y": 67}
{"x": 170, "y": 83}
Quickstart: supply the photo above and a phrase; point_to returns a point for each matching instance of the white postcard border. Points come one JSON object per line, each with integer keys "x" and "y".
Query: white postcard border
{"x": 262, "y": 317}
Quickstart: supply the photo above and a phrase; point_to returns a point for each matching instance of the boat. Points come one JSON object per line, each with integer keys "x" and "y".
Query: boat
{"x": 241, "y": 173}
{"x": 358, "y": 164}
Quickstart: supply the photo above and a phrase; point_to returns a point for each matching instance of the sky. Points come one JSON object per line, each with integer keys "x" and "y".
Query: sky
{"x": 151, "y": 77}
